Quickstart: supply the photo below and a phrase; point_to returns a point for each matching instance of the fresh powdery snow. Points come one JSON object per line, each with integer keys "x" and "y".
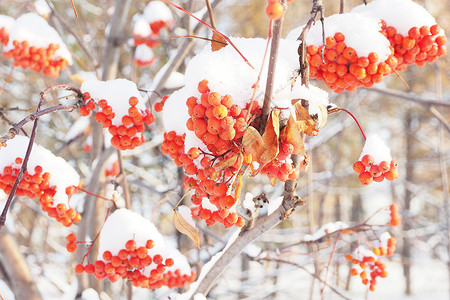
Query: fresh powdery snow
{"x": 401, "y": 14}
{"x": 35, "y": 30}
{"x": 6, "y": 22}
{"x": 117, "y": 93}
{"x": 141, "y": 27}
{"x": 324, "y": 230}
{"x": 124, "y": 225}
{"x": 157, "y": 11}
{"x": 361, "y": 33}
{"x": 361, "y": 252}
{"x": 62, "y": 174}
{"x": 42, "y": 8}
{"x": 144, "y": 54}
{"x": 186, "y": 213}
{"x": 376, "y": 147}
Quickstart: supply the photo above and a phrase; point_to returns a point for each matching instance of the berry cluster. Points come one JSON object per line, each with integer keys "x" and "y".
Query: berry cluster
{"x": 159, "y": 106}
{"x": 4, "y": 36}
{"x": 36, "y": 185}
{"x": 274, "y": 9}
{"x": 114, "y": 170}
{"x": 369, "y": 172}
{"x": 368, "y": 264}
{"x": 126, "y": 136}
{"x": 135, "y": 264}
{"x": 395, "y": 216}
{"x": 388, "y": 250}
{"x": 213, "y": 215}
{"x": 37, "y": 59}
{"x": 281, "y": 167}
{"x": 421, "y": 45}
{"x": 342, "y": 69}
{"x": 173, "y": 145}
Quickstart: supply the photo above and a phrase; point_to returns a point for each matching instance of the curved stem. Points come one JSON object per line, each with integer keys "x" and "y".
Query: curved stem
{"x": 357, "y": 123}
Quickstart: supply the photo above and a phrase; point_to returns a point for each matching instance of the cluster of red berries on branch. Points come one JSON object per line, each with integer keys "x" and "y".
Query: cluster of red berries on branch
{"x": 371, "y": 268}
{"x": 281, "y": 167}
{"x": 421, "y": 45}
{"x": 342, "y": 69}
{"x": 36, "y": 185}
{"x": 37, "y": 59}
{"x": 395, "y": 216}
{"x": 135, "y": 264}
{"x": 124, "y": 122}
{"x": 159, "y": 106}
{"x": 369, "y": 171}
{"x": 4, "y": 36}
{"x": 113, "y": 170}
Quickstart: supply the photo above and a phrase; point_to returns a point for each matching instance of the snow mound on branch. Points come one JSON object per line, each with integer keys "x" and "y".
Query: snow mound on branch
{"x": 116, "y": 92}
{"x": 124, "y": 225}
{"x": 141, "y": 27}
{"x": 35, "y": 30}
{"x": 144, "y": 54}
{"x": 324, "y": 230}
{"x": 361, "y": 252}
{"x": 361, "y": 33}
{"x": 401, "y": 14}
{"x": 6, "y": 22}
{"x": 42, "y": 8}
{"x": 62, "y": 174}
{"x": 157, "y": 11}
{"x": 377, "y": 148}
{"x": 228, "y": 74}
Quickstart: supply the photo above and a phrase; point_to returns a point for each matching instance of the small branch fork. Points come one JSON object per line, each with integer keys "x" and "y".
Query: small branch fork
{"x": 304, "y": 66}
{"x": 15, "y": 129}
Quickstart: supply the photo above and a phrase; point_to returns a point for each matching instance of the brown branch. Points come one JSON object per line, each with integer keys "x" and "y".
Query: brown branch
{"x": 411, "y": 97}
{"x": 210, "y": 13}
{"x": 124, "y": 181}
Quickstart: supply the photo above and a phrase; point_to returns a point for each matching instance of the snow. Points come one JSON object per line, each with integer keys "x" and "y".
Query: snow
{"x": 42, "y": 8}
{"x": 90, "y": 294}
{"x": 5, "y": 291}
{"x": 324, "y": 230}
{"x": 141, "y": 27}
{"x": 252, "y": 250}
{"x": 116, "y": 92}
{"x": 274, "y": 204}
{"x": 35, "y": 29}
{"x": 175, "y": 80}
{"x": 144, "y": 54}
{"x": 383, "y": 240}
{"x": 124, "y": 225}
{"x": 364, "y": 40}
{"x": 62, "y": 173}
{"x": 208, "y": 205}
{"x": 186, "y": 213}
{"x": 77, "y": 128}
{"x": 401, "y": 14}
{"x": 248, "y": 202}
{"x": 6, "y": 22}
{"x": 157, "y": 11}
{"x": 361, "y": 252}
{"x": 375, "y": 146}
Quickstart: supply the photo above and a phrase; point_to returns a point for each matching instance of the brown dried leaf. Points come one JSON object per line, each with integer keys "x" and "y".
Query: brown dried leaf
{"x": 226, "y": 162}
{"x": 238, "y": 188}
{"x": 185, "y": 228}
{"x": 273, "y": 181}
{"x": 307, "y": 124}
{"x": 253, "y": 143}
{"x": 292, "y": 133}
{"x": 270, "y": 136}
{"x": 218, "y": 42}
{"x": 322, "y": 116}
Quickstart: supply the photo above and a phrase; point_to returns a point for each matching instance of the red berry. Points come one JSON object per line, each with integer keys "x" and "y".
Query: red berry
{"x": 71, "y": 238}
{"x": 79, "y": 268}
{"x": 130, "y": 245}
{"x": 367, "y": 160}
{"x": 365, "y": 178}
{"x": 359, "y": 167}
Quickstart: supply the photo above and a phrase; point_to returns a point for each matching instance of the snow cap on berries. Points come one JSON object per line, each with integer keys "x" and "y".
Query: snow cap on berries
{"x": 35, "y": 30}
{"x": 401, "y": 14}
{"x": 42, "y": 8}
{"x": 141, "y": 27}
{"x": 157, "y": 11}
{"x": 362, "y": 33}
{"x": 144, "y": 55}
{"x": 6, "y": 22}
{"x": 375, "y": 147}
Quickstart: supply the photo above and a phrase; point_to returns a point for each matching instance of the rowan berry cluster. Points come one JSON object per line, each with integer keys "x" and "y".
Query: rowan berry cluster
{"x": 36, "y": 185}
{"x": 395, "y": 216}
{"x": 134, "y": 263}
{"x": 37, "y": 59}
{"x": 4, "y": 36}
{"x": 159, "y": 106}
{"x": 126, "y": 136}
{"x": 281, "y": 167}
{"x": 369, "y": 171}
{"x": 371, "y": 268}
{"x": 342, "y": 69}
{"x": 113, "y": 171}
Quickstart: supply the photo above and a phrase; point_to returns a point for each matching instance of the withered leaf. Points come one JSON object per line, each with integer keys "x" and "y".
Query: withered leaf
{"x": 253, "y": 143}
{"x": 307, "y": 124}
{"x": 291, "y": 133}
{"x": 238, "y": 188}
{"x": 185, "y": 228}
{"x": 270, "y": 136}
{"x": 218, "y": 42}
{"x": 273, "y": 181}
{"x": 228, "y": 162}
{"x": 322, "y": 116}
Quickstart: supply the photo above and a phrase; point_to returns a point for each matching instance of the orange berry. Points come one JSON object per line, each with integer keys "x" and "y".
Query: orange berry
{"x": 358, "y": 167}
{"x": 365, "y": 178}
{"x": 214, "y": 99}
{"x": 367, "y": 160}
{"x": 220, "y": 111}
{"x": 203, "y": 86}
{"x": 275, "y": 10}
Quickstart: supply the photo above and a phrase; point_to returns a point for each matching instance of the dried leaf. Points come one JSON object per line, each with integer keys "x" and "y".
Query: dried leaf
{"x": 307, "y": 124}
{"x": 291, "y": 133}
{"x": 270, "y": 137}
{"x": 322, "y": 116}
{"x": 273, "y": 181}
{"x": 185, "y": 228}
{"x": 218, "y": 42}
{"x": 253, "y": 143}
{"x": 238, "y": 188}
{"x": 226, "y": 162}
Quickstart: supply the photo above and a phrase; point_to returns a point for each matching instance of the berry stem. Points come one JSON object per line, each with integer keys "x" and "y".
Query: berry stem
{"x": 95, "y": 195}
{"x": 357, "y": 123}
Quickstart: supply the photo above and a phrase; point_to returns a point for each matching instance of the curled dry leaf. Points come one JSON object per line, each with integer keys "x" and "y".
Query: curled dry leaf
{"x": 307, "y": 124}
{"x": 291, "y": 133}
{"x": 238, "y": 187}
{"x": 218, "y": 42}
{"x": 253, "y": 143}
{"x": 322, "y": 116}
{"x": 185, "y": 228}
{"x": 270, "y": 136}
{"x": 226, "y": 162}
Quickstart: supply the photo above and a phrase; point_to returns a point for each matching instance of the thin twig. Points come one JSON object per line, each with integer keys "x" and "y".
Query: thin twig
{"x": 210, "y": 13}
{"x": 124, "y": 181}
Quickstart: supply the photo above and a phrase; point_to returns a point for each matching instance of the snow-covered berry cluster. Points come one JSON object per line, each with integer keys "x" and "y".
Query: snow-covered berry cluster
{"x": 132, "y": 248}
{"x": 5, "y": 26}
{"x": 121, "y": 110}
{"x": 34, "y": 45}
{"x": 48, "y": 178}
{"x": 375, "y": 163}
{"x": 147, "y": 30}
